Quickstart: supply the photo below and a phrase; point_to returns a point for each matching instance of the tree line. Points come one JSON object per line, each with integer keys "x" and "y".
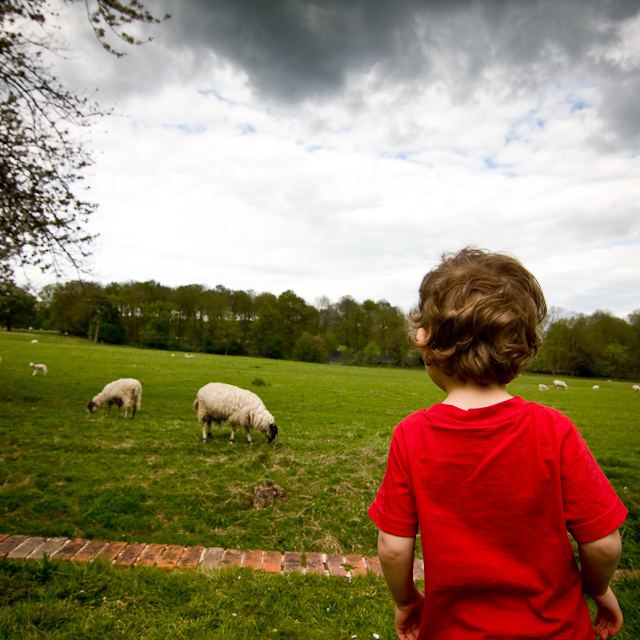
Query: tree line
{"x": 218, "y": 320}
{"x": 237, "y": 322}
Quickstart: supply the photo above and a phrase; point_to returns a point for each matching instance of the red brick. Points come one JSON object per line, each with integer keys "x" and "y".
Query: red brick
{"x": 69, "y": 549}
{"x": 334, "y": 564}
{"x": 27, "y": 547}
{"x": 150, "y": 555}
{"x": 3, "y": 536}
{"x": 252, "y": 559}
{"x": 112, "y": 550}
{"x": 190, "y": 558}
{"x": 10, "y": 543}
{"x": 373, "y": 564}
{"x": 211, "y": 559}
{"x": 357, "y": 564}
{"x": 129, "y": 555}
{"x": 231, "y": 558}
{"x": 49, "y": 547}
{"x": 292, "y": 561}
{"x": 170, "y": 556}
{"x": 315, "y": 563}
{"x": 272, "y": 561}
{"x": 88, "y": 553}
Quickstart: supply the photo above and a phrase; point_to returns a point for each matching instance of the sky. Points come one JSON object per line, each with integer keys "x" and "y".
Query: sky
{"x": 340, "y": 147}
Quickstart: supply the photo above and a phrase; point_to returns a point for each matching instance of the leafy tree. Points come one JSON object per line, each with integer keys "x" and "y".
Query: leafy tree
{"x": 74, "y": 305}
{"x": 17, "y": 306}
{"x": 42, "y": 219}
{"x": 310, "y": 348}
{"x": 372, "y": 353}
{"x": 157, "y": 328}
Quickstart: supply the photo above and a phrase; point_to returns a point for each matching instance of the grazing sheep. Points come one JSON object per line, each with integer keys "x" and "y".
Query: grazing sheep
{"x": 543, "y": 387}
{"x": 38, "y": 367}
{"x": 596, "y": 386}
{"x": 125, "y": 391}
{"x": 34, "y": 342}
{"x": 636, "y": 387}
{"x": 559, "y": 384}
{"x": 186, "y": 355}
{"x": 218, "y": 401}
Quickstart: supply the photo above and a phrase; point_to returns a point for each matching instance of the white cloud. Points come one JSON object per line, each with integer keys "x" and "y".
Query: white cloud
{"x": 357, "y": 191}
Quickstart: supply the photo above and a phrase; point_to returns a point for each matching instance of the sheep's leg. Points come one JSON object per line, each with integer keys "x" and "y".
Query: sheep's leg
{"x": 248, "y": 435}
{"x": 206, "y": 427}
{"x": 233, "y": 433}
{"x": 133, "y": 412}
{"x": 34, "y": 372}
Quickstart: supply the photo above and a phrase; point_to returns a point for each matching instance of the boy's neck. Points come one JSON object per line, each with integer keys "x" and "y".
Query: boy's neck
{"x": 475, "y": 396}
{"x": 468, "y": 395}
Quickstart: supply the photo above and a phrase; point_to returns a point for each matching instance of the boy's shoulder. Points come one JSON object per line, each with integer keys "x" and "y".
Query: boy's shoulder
{"x": 515, "y": 409}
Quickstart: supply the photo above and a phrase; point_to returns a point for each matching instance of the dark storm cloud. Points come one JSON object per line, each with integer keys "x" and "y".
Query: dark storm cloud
{"x": 297, "y": 49}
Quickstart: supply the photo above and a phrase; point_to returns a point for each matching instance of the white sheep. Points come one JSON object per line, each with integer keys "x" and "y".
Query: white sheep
{"x": 126, "y": 391}
{"x": 596, "y": 386}
{"x": 636, "y": 387}
{"x": 559, "y": 384}
{"x": 186, "y": 355}
{"x": 34, "y": 342}
{"x": 217, "y": 402}
{"x": 543, "y": 387}
{"x": 38, "y": 367}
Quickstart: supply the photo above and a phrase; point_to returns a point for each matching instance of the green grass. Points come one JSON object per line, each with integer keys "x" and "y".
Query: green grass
{"x": 66, "y": 473}
{"x": 63, "y": 600}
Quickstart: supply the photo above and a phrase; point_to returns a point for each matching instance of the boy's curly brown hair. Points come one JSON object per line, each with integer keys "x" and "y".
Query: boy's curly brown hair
{"x": 480, "y": 311}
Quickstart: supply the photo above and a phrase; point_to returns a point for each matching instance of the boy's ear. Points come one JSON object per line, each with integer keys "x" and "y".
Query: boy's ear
{"x": 421, "y": 336}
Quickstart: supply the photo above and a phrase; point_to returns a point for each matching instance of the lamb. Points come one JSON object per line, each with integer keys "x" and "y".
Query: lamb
{"x": 543, "y": 387}
{"x": 38, "y": 367}
{"x": 636, "y": 387}
{"x": 126, "y": 391}
{"x": 596, "y": 386}
{"x": 559, "y": 384}
{"x": 217, "y": 402}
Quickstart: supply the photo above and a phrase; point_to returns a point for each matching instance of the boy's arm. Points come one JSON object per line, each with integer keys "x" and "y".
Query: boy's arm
{"x": 599, "y": 560}
{"x": 396, "y": 560}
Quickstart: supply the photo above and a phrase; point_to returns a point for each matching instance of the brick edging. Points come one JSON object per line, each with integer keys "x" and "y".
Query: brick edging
{"x": 194, "y": 558}
{"x": 201, "y": 558}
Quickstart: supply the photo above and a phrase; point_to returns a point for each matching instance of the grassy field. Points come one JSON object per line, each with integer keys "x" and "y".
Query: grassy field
{"x": 66, "y": 601}
{"x": 66, "y": 473}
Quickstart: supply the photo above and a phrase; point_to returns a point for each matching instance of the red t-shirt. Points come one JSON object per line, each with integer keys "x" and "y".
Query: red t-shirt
{"x": 494, "y": 491}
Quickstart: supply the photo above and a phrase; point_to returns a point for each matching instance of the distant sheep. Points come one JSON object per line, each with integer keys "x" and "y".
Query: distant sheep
{"x": 186, "y": 355}
{"x": 38, "y": 367}
{"x": 125, "y": 391}
{"x": 543, "y": 387}
{"x": 636, "y": 387}
{"x": 34, "y": 342}
{"x": 596, "y": 386}
{"x": 217, "y": 402}
{"x": 559, "y": 384}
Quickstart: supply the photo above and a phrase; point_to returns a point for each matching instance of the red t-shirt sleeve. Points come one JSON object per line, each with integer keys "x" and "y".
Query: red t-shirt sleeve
{"x": 592, "y": 508}
{"x": 394, "y": 508}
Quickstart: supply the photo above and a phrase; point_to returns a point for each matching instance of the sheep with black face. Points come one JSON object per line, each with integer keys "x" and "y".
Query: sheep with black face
{"x": 125, "y": 392}
{"x": 218, "y": 402}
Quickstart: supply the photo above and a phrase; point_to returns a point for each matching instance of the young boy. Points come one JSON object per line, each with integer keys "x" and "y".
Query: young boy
{"x": 492, "y": 482}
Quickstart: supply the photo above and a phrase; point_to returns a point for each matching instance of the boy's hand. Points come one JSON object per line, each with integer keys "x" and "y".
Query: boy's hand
{"x": 609, "y": 616}
{"x": 408, "y": 618}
